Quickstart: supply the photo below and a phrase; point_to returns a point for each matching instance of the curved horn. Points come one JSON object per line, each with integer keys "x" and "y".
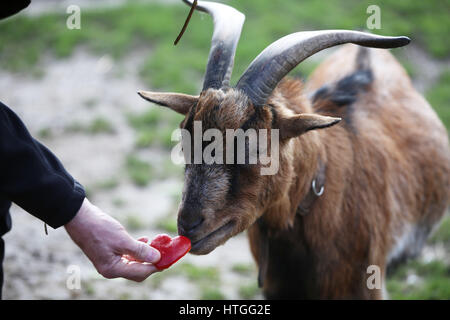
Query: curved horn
{"x": 278, "y": 59}
{"x": 228, "y": 24}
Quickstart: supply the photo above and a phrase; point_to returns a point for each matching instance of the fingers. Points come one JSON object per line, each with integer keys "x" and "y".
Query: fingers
{"x": 140, "y": 251}
{"x": 131, "y": 258}
{"x": 131, "y": 270}
{"x": 135, "y": 262}
{"x": 135, "y": 271}
{"x": 143, "y": 239}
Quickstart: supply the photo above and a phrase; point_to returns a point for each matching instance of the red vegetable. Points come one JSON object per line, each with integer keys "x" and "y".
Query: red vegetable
{"x": 171, "y": 250}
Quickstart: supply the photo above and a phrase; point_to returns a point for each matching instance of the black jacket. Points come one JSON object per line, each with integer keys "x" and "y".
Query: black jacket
{"x": 32, "y": 177}
{"x": 11, "y": 7}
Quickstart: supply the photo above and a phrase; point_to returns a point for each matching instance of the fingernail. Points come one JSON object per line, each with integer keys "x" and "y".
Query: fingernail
{"x": 153, "y": 255}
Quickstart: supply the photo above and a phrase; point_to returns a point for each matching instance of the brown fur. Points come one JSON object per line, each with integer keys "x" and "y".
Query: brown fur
{"x": 387, "y": 178}
{"x": 393, "y": 172}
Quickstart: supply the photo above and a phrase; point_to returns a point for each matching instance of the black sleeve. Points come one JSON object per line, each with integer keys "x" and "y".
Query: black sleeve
{"x": 11, "y": 7}
{"x": 32, "y": 177}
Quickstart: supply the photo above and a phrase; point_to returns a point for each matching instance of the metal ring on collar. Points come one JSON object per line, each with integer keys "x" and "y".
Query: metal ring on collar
{"x": 317, "y": 193}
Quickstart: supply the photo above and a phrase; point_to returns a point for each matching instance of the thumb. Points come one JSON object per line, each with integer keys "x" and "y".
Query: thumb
{"x": 141, "y": 251}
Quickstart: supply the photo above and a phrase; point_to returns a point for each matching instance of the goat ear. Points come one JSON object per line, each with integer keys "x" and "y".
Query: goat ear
{"x": 178, "y": 102}
{"x": 296, "y": 125}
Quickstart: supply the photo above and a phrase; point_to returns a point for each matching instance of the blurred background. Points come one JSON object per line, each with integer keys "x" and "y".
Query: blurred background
{"x": 76, "y": 91}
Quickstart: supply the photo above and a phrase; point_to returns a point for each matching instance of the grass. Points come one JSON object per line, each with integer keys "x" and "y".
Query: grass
{"x": 209, "y": 293}
{"x": 75, "y": 127}
{"x": 243, "y": 269}
{"x": 117, "y": 30}
{"x": 195, "y": 273}
{"x": 108, "y": 184}
{"x": 151, "y": 137}
{"x": 111, "y": 31}
{"x": 442, "y": 234}
{"x": 142, "y": 172}
{"x": 169, "y": 169}
{"x": 134, "y": 222}
{"x": 99, "y": 125}
{"x": 90, "y": 103}
{"x": 88, "y": 288}
{"x": 206, "y": 279}
{"x": 249, "y": 291}
{"x": 439, "y": 97}
{"x": 118, "y": 202}
{"x": 139, "y": 171}
{"x": 168, "y": 224}
{"x": 155, "y": 127}
{"x": 420, "y": 281}
{"x": 125, "y": 296}
{"x": 45, "y": 133}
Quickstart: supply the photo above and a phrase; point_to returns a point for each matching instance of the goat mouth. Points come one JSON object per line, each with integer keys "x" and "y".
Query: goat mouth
{"x": 208, "y": 243}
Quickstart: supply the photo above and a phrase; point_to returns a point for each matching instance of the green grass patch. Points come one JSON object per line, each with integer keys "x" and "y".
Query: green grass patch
{"x": 431, "y": 281}
{"x": 168, "y": 224}
{"x": 249, "y": 291}
{"x": 439, "y": 97}
{"x": 88, "y": 288}
{"x": 195, "y": 273}
{"x": 139, "y": 171}
{"x": 155, "y": 127}
{"x": 206, "y": 279}
{"x": 108, "y": 184}
{"x": 74, "y": 127}
{"x": 91, "y": 103}
{"x": 110, "y": 30}
{"x": 45, "y": 133}
{"x": 243, "y": 269}
{"x": 161, "y": 136}
{"x": 118, "y": 202}
{"x": 118, "y": 30}
{"x": 100, "y": 125}
{"x": 134, "y": 222}
{"x": 169, "y": 169}
{"x": 442, "y": 234}
{"x": 209, "y": 293}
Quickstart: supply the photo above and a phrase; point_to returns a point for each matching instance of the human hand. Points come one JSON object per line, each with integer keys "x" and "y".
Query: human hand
{"x": 113, "y": 252}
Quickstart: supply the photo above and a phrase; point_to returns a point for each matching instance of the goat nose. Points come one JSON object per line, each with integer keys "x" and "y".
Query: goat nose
{"x": 188, "y": 223}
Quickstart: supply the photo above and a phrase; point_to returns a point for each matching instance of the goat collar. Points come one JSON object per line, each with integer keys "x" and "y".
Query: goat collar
{"x": 316, "y": 190}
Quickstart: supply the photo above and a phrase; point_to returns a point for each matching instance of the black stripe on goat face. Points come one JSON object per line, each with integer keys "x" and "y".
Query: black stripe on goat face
{"x": 202, "y": 215}
{"x": 217, "y": 198}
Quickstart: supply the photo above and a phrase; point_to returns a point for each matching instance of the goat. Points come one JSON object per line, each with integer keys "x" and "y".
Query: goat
{"x": 364, "y": 192}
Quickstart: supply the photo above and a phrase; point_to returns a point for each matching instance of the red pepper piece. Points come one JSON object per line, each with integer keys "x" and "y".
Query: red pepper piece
{"x": 171, "y": 249}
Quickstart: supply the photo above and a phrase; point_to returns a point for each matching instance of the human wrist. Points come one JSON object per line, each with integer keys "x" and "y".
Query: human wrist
{"x": 81, "y": 217}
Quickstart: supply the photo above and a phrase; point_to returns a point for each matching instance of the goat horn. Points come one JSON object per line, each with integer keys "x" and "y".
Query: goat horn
{"x": 228, "y": 24}
{"x": 279, "y": 58}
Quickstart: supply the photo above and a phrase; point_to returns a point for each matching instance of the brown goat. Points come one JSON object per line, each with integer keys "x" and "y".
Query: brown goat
{"x": 365, "y": 192}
